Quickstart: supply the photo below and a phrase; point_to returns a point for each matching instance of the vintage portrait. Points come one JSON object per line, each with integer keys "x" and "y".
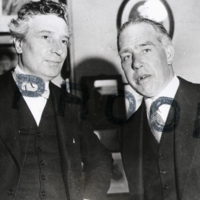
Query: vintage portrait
{"x": 99, "y": 100}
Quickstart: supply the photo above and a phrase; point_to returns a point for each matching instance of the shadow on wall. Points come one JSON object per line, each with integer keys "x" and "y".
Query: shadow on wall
{"x": 100, "y": 86}
{"x": 88, "y": 72}
{"x": 101, "y": 89}
{"x": 106, "y": 99}
{"x": 94, "y": 67}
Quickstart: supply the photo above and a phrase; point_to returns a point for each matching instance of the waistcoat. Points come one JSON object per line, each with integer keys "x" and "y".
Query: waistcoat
{"x": 41, "y": 176}
{"x": 158, "y": 167}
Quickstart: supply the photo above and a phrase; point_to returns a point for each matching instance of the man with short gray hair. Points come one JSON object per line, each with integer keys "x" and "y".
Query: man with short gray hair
{"x": 160, "y": 141}
{"x": 46, "y": 150}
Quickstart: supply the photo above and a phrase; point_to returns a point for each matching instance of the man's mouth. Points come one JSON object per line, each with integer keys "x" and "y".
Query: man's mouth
{"x": 55, "y": 62}
{"x": 142, "y": 78}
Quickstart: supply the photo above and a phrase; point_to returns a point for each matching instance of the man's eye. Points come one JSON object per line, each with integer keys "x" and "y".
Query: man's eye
{"x": 65, "y": 42}
{"x": 125, "y": 58}
{"x": 146, "y": 50}
{"x": 45, "y": 37}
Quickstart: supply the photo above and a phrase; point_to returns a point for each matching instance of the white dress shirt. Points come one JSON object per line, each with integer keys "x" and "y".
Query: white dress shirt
{"x": 169, "y": 92}
{"x": 35, "y": 104}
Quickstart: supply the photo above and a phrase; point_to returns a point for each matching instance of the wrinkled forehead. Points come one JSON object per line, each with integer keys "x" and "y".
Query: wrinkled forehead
{"x": 46, "y": 19}
{"x": 134, "y": 33}
{"x": 50, "y": 22}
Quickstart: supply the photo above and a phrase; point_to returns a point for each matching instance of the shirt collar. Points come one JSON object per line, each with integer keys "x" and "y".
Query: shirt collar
{"x": 169, "y": 91}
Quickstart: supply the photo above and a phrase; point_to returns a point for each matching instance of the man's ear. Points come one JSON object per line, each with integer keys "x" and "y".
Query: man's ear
{"x": 169, "y": 54}
{"x": 18, "y": 45}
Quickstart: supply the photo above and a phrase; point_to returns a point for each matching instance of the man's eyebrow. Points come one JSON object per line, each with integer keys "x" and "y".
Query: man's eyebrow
{"x": 147, "y": 43}
{"x": 143, "y": 44}
{"x": 127, "y": 50}
{"x": 45, "y": 31}
{"x": 66, "y": 36}
{"x": 51, "y": 32}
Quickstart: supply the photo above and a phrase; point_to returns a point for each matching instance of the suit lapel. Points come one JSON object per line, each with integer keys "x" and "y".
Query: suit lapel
{"x": 185, "y": 143}
{"x": 65, "y": 109}
{"x": 67, "y": 129}
{"x": 15, "y": 109}
{"x": 62, "y": 112}
{"x": 186, "y": 146}
{"x": 132, "y": 151}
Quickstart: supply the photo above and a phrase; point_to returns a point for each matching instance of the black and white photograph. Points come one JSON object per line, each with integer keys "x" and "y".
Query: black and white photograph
{"x": 99, "y": 100}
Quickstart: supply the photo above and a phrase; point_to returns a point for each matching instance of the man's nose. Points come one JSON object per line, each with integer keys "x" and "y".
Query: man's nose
{"x": 57, "y": 48}
{"x": 137, "y": 63}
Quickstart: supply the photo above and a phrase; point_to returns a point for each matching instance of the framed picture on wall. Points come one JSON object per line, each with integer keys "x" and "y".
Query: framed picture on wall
{"x": 156, "y": 10}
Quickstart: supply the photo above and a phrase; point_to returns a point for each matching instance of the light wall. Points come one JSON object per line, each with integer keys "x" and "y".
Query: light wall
{"x": 187, "y": 38}
{"x": 94, "y": 43}
{"x": 94, "y": 31}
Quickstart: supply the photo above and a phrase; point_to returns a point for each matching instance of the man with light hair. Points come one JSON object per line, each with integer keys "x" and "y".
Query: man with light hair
{"x": 160, "y": 141}
{"x": 46, "y": 150}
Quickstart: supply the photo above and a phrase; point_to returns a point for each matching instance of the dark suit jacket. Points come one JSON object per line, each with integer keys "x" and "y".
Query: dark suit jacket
{"x": 186, "y": 139}
{"x": 86, "y": 149}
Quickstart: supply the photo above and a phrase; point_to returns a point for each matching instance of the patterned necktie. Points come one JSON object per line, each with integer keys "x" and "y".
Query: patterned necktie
{"x": 156, "y": 122}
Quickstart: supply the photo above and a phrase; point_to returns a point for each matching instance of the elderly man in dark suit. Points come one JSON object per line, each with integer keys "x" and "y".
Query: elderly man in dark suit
{"x": 46, "y": 150}
{"x": 160, "y": 141}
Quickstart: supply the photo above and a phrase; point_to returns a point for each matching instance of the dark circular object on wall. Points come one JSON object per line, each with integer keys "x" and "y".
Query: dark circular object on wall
{"x": 156, "y": 10}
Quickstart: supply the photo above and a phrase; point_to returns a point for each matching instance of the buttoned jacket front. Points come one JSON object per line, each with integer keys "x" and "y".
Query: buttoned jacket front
{"x": 77, "y": 144}
{"x": 186, "y": 145}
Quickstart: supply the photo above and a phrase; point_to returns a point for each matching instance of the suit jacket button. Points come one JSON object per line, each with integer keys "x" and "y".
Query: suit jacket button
{"x": 39, "y": 149}
{"x": 10, "y": 192}
{"x": 163, "y": 172}
{"x": 160, "y": 156}
{"x": 41, "y": 162}
{"x": 43, "y": 193}
{"x": 165, "y": 187}
{"x": 43, "y": 177}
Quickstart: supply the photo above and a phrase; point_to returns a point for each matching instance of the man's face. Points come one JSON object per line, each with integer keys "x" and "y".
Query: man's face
{"x": 144, "y": 61}
{"x": 44, "y": 49}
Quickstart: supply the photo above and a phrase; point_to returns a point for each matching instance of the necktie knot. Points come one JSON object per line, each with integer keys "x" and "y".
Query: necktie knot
{"x": 155, "y": 121}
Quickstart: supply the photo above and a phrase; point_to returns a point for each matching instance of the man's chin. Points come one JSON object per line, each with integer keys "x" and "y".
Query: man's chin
{"x": 146, "y": 93}
{"x": 49, "y": 77}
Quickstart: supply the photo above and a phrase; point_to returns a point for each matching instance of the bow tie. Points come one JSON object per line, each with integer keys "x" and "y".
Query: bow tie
{"x": 31, "y": 86}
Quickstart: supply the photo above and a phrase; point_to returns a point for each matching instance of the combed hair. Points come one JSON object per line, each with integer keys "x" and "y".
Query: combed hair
{"x": 162, "y": 35}
{"x": 19, "y": 27}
